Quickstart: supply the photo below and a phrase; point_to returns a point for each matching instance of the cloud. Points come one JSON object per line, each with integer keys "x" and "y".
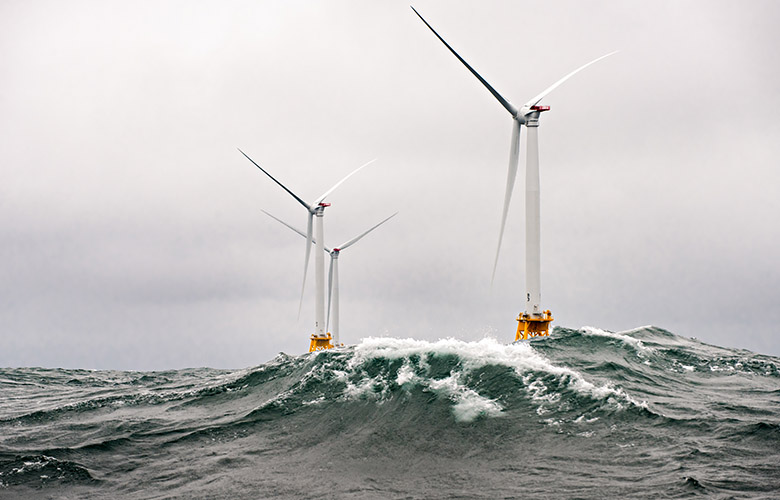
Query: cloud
{"x": 130, "y": 227}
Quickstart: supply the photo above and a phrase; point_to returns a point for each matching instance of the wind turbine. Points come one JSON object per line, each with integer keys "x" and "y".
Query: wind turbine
{"x": 333, "y": 272}
{"x": 319, "y": 339}
{"x": 533, "y": 322}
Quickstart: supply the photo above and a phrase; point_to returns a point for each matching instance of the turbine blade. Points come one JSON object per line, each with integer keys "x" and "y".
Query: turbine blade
{"x": 535, "y": 100}
{"x": 321, "y": 198}
{"x": 330, "y": 291}
{"x": 309, "y": 241}
{"x": 291, "y": 227}
{"x": 506, "y": 104}
{"x": 286, "y": 224}
{"x": 357, "y": 238}
{"x": 514, "y": 155}
{"x": 273, "y": 179}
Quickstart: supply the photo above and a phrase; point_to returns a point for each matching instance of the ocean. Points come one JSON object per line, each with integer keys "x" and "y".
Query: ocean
{"x": 583, "y": 414}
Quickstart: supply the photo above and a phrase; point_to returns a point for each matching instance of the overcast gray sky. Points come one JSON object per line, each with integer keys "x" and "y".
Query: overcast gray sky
{"x": 131, "y": 235}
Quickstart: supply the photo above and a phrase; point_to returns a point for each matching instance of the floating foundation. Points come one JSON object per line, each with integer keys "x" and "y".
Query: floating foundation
{"x": 533, "y": 326}
{"x": 321, "y": 342}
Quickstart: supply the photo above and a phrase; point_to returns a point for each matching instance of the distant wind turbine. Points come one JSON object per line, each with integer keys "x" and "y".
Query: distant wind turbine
{"x": 534, "y": 321}
{"x": 319, "y": 339}
{"x": 333, "y": 272}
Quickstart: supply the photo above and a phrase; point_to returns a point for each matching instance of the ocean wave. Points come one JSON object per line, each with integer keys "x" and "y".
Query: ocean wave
{"x": 577, "y": 404}
{"x": 421, "y": 364}
{"x": 41, "y": 470}
{"x": 622, "y": 337}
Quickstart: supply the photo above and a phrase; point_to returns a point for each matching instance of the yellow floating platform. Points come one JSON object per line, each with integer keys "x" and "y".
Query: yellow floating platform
{"x": 533, "y": 326}
{"x": 320, "y": 343}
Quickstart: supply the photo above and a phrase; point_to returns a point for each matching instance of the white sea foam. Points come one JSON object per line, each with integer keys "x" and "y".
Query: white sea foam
{"x": 682, "y": 367}
{"x": 638, "y": 329}
{"x": 468, "y": 403}
{"x": 582, "y": 419}
{"x": 406, "y": 375}
{"x": 369, "y": 387}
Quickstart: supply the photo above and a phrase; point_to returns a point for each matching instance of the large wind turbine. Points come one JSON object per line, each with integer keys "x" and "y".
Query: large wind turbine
{"x": 319, "y": 339}
{"x": 533, "y": 322}
{"x": 333, "y": 273}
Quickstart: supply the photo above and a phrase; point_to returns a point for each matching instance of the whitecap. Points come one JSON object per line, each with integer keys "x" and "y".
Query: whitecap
{"x": 521, "y": 357}
{"x": 637, "y": 344}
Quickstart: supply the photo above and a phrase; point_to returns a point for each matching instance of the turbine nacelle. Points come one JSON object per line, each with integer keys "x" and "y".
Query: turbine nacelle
{"x": 526, "y": 110}
{"x": 319, "y": 209}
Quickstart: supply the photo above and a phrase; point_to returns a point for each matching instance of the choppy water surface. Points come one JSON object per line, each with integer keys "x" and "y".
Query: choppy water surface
{"x": 584, "y": 414}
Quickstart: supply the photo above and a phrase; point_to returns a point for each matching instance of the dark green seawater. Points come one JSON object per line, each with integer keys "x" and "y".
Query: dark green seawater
{"x": 584, "y": 414}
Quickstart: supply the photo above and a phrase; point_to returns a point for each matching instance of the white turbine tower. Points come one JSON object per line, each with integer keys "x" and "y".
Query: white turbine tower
{"x": 319, "y": 339}
{"x": 533, "y": 321}
{"x": 333, "y": 273}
